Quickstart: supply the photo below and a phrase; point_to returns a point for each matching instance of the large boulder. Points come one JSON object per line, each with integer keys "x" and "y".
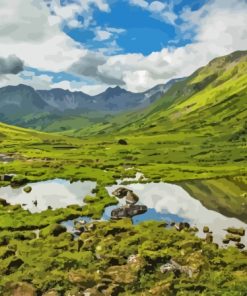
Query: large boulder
{"x": 128, "y": 211}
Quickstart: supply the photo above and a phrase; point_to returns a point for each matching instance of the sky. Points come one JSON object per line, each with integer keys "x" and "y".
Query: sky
{"x": 90, "y": 45}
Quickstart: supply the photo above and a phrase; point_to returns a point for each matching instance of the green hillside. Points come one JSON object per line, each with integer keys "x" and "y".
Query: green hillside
{"x": 194, "y": 136}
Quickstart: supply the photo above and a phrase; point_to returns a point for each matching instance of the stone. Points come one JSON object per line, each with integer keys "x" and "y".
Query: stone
{"x": 233, "y": 237}
{"x": 240, "y": 245}
{"x": 128, "y": 211}
{"x": 13, "y": 265}
{"x": 27, "y": 189}
{"x": 209, "y": 238}
{"x": 174, "y": 267}
{"x": 21, "y": 289}
{"x": 225, "y": 241}
{"x": 182, "y": 225}
{"x": 6, "y": 178}
{"x": 51, "y": 293}
{"x": 238, "y": 231}
{"x": 205, "y": 229}
{"x": 122, "y": 142}
{"x": 3, "y": 202}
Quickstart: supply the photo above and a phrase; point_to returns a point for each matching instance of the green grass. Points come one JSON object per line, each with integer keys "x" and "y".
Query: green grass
{"x": 195, "y": 136}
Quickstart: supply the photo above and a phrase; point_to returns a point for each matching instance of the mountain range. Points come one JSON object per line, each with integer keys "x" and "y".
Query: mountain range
{"x": 24, "y": 106}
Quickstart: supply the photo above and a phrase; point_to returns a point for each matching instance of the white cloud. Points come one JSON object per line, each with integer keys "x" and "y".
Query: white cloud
{"x": 28, "y": 78}
{"x": 29, "y": 31}
{"x": 158, "y": 9}
{"x": 102, "y": 35}
{"x": 220, "y": 28}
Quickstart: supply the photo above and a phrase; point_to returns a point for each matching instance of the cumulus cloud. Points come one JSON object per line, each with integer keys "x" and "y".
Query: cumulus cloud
{"x": 11, "y": 65}
{"x": 220, "y": 27}
{"x": 29, "y": 31}
{"x": 160, "y": 10}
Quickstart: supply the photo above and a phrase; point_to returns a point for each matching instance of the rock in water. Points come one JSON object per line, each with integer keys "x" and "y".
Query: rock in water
{"x": 238, "y": 231}
{"x": 129, "y": 195}
{"x": 27, "y": 189}
{"x": 131, "y": 198}
{"x": 128, "y": 211}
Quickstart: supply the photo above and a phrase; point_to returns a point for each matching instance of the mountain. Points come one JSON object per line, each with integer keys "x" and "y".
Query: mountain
{"x": 213, "y": 99}
{"x": 18, "y": 101}
{"x": 58, "y": 109}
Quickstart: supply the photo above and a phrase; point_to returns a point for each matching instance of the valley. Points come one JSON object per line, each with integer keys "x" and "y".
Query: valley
{"x": 193, "y": 136}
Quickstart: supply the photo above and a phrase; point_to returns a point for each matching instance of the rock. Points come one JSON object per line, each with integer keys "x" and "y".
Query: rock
{"x": 3, "y": 202}
{"x": 122, "y": 142}
{"x": 194, "y": 229}
{"x": 13, "y": 265}
{"x": 6, "y": 178}
{"x": 80, "y": 227}
{"x": 176, "y": 268}
{"x": 51, "y": 293}
{"x": 54, "y": 230}
{"x": 238, "y": 231}
{"x": 91, "y": 227}
{"x": 35, "y": 202}
{"x": 240, "y": 245}
{"x": 27, "y": 189}
{"x": 209, "y": 238}
{"x": 21, "y": 289}
{"x": 122, "y": 274}
{"x": 225, "y": 241}
{"x": 182, "y": 225}
{"x": 129, "y": 195}
{"x": 205, "y": 229}
{"x": 128, "y": 211}
{"x": 131, "y": 198}
{"x": 233, "y": 237}
{"x": 172, "y": 223}
{"x": 49, "y": 207}
{"x": 18, "y": 181}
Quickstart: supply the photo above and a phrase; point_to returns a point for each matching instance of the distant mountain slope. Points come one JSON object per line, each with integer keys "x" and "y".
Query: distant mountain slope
{"x": 214, "y": 99}
{"x": 58, "y": 109}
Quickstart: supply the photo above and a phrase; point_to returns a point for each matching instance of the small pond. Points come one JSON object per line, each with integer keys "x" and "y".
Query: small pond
{"x": 171, "y": 203}
{"x": 55, "y": 193}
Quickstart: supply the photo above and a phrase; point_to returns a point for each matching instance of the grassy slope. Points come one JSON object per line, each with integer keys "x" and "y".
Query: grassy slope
{"x": 192, "y": 133}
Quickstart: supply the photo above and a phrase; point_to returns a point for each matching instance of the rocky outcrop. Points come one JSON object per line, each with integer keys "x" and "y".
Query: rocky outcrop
{"x": 176, "y": 268}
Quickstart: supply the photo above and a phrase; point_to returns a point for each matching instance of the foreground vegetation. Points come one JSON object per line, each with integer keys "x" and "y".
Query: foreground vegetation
{"x": 115, "y": 258}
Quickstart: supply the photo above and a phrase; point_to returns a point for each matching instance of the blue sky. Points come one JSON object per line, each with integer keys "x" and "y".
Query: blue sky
{"x": 144, "y": 32}
{"x": 90, "y": 45}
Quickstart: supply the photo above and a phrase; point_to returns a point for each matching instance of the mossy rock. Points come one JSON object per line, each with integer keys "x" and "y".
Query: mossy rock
{"x": 19, "y": 181}
{"x": 27, "y": 189}
{"x": 205, "y": 229}
{"x": 3, "y": 202}
{"x": 237, "y": 231}
{"x": 233, "y": 237}
{"x": 53, "y": 230}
